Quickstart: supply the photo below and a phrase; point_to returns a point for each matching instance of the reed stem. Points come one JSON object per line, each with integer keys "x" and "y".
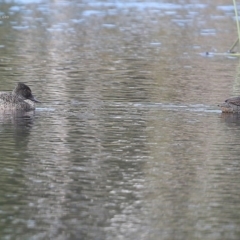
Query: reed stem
{"x": 236, "y": 16}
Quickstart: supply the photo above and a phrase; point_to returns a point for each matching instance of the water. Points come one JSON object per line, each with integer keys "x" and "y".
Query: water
{"x": 128, "y": 142}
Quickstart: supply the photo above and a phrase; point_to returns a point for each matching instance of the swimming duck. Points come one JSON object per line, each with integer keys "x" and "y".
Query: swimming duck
{"x": 231, "y": 105}
{"x": 20, "y": 98}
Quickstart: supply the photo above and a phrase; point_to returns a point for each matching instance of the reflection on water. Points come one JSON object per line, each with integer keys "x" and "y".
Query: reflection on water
{"x": 128, "y": 142}
{"x": 15, "y": 130}
{"x": 231, "y": 118}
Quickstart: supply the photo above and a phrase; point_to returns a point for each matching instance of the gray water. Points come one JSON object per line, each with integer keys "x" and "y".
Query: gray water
{"x": 128, "y": 142}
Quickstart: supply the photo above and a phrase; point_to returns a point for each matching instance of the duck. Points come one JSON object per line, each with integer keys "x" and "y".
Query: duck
{"x": 21, "y": 98}
{"x": 231, "y": 105}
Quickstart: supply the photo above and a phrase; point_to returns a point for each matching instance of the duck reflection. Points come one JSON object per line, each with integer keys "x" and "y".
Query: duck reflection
{"x": 20, "y": 118}
{"x": 16, "y": 128}
{"x": 231, "y": 118}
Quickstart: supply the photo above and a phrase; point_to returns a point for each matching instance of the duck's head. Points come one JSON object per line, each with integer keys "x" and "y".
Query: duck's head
{"x": 23, "y": 91}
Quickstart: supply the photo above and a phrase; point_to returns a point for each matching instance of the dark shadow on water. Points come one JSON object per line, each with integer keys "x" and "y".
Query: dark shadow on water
{"x": 22, "y": 122}
{"x": 15, "y": 129}
{"x": 230, "y": 118}
{"x": 17, "y": 117}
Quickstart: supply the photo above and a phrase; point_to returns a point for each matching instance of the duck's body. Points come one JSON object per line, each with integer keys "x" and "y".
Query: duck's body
{"x": 231, "y": 105}
{"x": 20, "y": 98}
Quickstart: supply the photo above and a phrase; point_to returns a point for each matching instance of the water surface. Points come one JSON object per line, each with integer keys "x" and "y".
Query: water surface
{"x": 129, "y": 142}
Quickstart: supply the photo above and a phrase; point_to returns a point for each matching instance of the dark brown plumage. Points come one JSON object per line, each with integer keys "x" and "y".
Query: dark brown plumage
{"x": 20, "y": 98}
{"x": 231, "y": 105}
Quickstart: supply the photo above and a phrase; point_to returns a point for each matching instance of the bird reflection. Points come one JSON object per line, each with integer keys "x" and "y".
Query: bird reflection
{"x": 231, "y": 118}
{"x": 18, "y": 118}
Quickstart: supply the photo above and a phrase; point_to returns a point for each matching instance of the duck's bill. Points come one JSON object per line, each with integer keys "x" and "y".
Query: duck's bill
{"x": 34, "y": 99}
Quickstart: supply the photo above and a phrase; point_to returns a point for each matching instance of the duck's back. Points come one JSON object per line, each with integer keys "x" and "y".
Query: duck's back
{"x": 9, "y": 101}
{"x": 234, "y": 101}
{"x": 6, "y": 97}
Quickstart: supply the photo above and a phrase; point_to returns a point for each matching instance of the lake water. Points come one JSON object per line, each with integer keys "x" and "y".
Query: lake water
{"x": 128, "y": 142}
